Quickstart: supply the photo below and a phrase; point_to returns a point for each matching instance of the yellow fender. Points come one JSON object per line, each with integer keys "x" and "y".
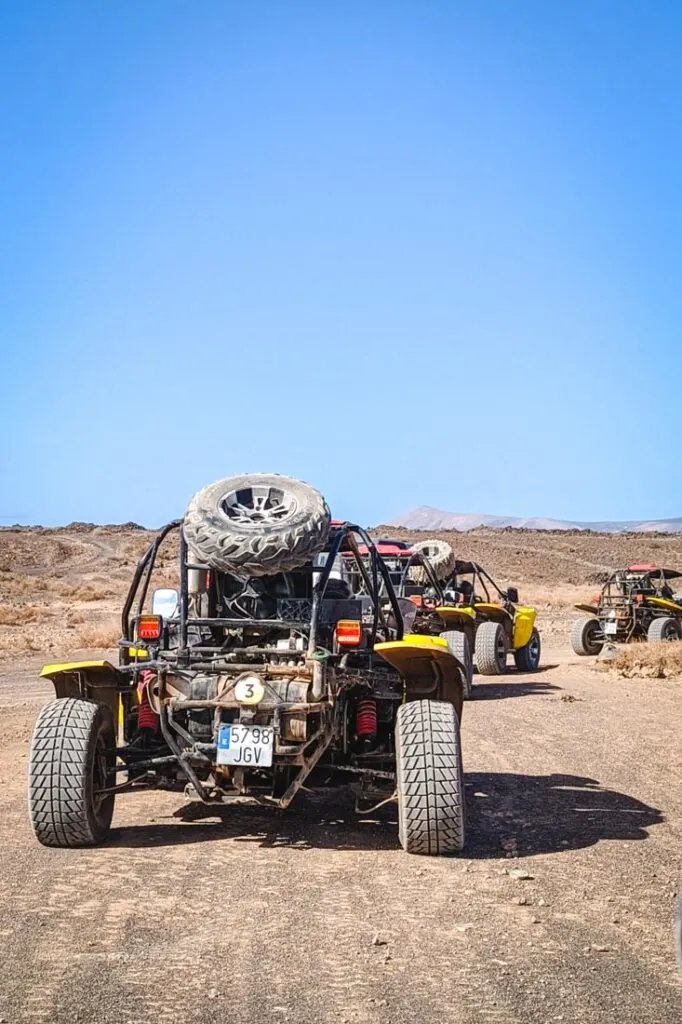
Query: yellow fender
{"x": 524, "y": 621}
{"x": 68, "y": 667}
{"x": 663, "y": 602}
{"x": 492, "y": 611}
{"x": 89, "y": 680}
{"x": 424, "y": 662}
{"x": 455, "y": 615}
{"x": 591, "y": 609}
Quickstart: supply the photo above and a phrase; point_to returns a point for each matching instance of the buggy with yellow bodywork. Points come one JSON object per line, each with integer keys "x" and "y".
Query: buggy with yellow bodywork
{"x": 498, "y": 625}
{"x": 263, "y": 673}
{"x": 635, "y": 604}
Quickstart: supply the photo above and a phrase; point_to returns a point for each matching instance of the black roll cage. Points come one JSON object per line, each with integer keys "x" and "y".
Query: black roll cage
{"x": 417, "y": 558}
{"x": 342, "y": 537}
{"x": 624, "y": 583}
{"x": 478, "y": 573}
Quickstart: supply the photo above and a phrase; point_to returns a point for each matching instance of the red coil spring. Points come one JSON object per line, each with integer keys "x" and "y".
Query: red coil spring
{"x": 147, "y": 718}
{"x": 366, "y": 718}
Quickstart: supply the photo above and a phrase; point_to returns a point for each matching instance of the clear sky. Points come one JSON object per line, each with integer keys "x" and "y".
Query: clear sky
{"x": 413, "y": 252}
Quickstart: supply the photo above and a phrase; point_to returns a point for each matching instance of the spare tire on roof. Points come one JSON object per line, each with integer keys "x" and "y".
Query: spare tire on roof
{"x": 441, "y": 557}
{"x": 257, "y": 524}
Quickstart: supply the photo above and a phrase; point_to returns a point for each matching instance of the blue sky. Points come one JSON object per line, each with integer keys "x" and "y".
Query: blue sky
{"x": 415, "y": 253}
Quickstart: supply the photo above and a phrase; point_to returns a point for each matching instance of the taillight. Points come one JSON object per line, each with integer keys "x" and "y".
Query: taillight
{"x": 149, "y": 627}
{"x": 348, "y": 633}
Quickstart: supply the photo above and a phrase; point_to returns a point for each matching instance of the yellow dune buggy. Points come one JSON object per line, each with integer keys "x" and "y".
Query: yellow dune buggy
{"x": 636, "y": 603}
{"x": 499, "y": 624}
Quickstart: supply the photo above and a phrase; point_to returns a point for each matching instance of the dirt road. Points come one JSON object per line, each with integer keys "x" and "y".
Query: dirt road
{"x": 561, "y": 911}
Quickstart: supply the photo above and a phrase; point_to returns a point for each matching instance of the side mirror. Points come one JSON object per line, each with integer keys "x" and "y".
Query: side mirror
{"x": 513, "y": 595}
{"x": 165, "y": 602}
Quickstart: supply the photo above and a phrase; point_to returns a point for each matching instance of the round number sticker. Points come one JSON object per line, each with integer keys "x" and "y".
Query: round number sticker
{"x": 249, "y": 690}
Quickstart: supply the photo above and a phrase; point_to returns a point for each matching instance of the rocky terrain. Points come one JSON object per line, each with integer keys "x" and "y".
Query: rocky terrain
{"x": 61, "y": 589}
{"x": 560, "y": 910}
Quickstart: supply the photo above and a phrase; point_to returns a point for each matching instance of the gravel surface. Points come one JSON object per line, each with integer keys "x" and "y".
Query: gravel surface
{"x": 561, "y": 909}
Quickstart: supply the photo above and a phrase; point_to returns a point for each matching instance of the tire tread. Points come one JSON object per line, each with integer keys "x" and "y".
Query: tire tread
{"x": 57, "y": 764}
{"x": 429, "y": 771}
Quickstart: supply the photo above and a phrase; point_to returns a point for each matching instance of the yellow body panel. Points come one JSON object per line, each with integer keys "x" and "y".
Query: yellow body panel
{"x": 663, "y": 602}
{"x": 49, "y": 671}
{"x": 452, "y": 614}
{"x": 591, "y": 609}
{"x": 524, "y": 621}
{"x": 416, "y": 656}
{"x": 493, "y": 611}
{"x": 427, "y": 665}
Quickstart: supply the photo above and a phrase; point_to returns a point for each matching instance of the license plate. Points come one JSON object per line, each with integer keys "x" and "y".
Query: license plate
{"x": 611, "y": 628}
{"x": 248, "y": 745}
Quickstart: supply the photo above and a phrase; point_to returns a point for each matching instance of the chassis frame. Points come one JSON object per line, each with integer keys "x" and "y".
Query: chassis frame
{"x": 630, "y": 599}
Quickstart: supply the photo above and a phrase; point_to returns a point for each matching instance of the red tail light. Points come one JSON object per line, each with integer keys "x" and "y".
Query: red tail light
{"x": 348, "y": 633}
{"x": 149, "y": 627}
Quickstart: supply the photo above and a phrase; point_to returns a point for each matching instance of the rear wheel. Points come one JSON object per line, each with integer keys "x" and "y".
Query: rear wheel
{"x": 459, "y": 645}
{"x": 429, "y": 777}
{"x": 527, "y": 658}
{"x": 72, "y": 754}
{"x": 587, "y": 637}
{"x": 663, "y": 629}
{"x": 491, "y": 649}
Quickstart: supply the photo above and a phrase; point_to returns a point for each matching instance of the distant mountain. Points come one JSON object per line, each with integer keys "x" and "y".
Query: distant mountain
{"x": 426, "y": 518}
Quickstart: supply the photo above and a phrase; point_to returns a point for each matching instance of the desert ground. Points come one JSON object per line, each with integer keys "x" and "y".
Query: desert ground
{"x": 561, "y": 908}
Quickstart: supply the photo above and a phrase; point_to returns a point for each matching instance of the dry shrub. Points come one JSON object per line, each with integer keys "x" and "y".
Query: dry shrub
{"x": 102, "y": 637}
{"x": 75, "y": 619}
{"x": 649, "y": 661}
{"x": 20, "y": 586}
{"x": 21, "y": 615}
{"x": 86, "y": 592}
{"x": 23, "y": 642}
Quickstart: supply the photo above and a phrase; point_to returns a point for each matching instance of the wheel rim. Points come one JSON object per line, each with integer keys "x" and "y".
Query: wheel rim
{"x": 591, "y": 635}
{"x": 501, "y": 648}
{"x": 100, "y": 775}
{"x": 534, "y": 649}
{"x": 258, "y": 504}
{"x": 671, "y": 632}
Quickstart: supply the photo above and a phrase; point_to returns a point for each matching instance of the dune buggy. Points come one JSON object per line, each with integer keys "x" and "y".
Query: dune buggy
{"x": 414, "y": 571}
{"x": 262, "y": 673}
{"x": 636, "y": 603}
{"x": 499, "y": 625}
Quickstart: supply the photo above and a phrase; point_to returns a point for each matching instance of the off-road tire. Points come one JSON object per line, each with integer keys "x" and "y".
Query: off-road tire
{"x": 458, "y": 643}
{"x": 73, "y": 745}
{"x": 491, "y": 649}
{"x": 663, "y": 629}
{"x": 582, "y": 637}
{"x": 429, "y": 776}
{"x": 527, "y": 658}
{"x": 441, "y": 558}
{"x": 230, "y": 538}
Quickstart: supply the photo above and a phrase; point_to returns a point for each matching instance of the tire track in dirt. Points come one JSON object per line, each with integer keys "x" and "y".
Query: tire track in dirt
{"x": 264, "y": 918}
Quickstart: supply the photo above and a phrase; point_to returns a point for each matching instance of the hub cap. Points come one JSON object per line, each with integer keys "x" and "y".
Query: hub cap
{"x": 258, "y": 505}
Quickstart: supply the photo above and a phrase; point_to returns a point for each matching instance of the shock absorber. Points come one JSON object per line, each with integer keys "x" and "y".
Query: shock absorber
{"x": 147, "y": 718}
{"x": 366, "y": 723}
